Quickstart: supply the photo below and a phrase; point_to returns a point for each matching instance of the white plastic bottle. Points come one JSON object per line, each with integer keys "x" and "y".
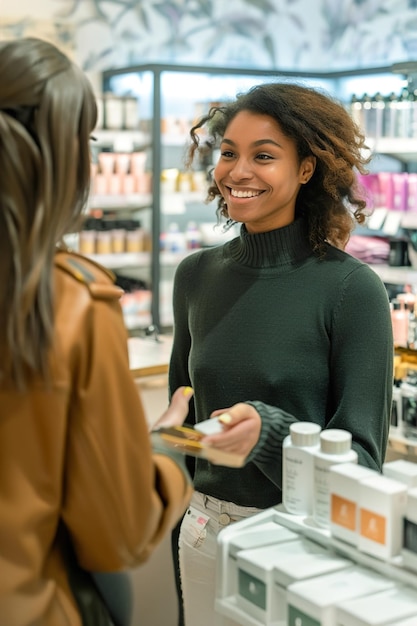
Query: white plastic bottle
{"x": 335, "y": 447}
{"x": 297, "y": 467}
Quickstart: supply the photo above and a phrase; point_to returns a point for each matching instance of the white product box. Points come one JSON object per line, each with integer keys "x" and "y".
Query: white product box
{"x": 409, "y": 548}
{"x": 265, "y": 573}
{"x": 313, "y": 602}
{"x": 380, "y": 609}
{"x": 344, "y": 510}
{"x": 408, "y": 621}
{"x": 401, "y": 470}
{"x": 264, "y": 534}
{"x": 263, "y": 528}
{"x": 382, "y": 503}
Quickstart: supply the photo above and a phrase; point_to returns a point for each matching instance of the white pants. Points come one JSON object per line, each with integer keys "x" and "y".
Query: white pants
{"x": 204, "y": 519}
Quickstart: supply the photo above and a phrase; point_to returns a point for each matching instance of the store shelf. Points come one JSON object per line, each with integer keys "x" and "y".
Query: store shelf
{"x": 138, "y": 259}
{"x": 119, "y": 202}
{"x": 392, "y": 568}
{"x": 120, "y": 140}
{"x": 122, "y": 260}
{"x": 396, "y": 275}
{"x": 403, "y": 149}
{"x": 226, "y": 602}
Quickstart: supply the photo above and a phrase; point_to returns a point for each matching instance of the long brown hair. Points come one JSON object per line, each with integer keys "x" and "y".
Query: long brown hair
{"x": 47, "y": 112}
{"x": 331, "y": 201}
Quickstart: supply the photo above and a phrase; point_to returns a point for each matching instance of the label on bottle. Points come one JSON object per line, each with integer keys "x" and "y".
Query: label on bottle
{"x": 297, "y": 480}
{"x": 322, "y": 502}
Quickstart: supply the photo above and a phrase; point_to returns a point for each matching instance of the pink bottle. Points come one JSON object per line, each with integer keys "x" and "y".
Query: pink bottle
{"x": 399, "y": 318}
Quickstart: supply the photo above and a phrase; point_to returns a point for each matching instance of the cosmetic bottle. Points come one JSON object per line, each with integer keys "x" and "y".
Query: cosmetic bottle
{"x": 399, "y": 319}
{"x": 297, "y": 467}
{"x": 335, "y": 447}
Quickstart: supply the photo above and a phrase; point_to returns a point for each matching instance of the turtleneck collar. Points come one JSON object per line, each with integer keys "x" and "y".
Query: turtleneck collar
{"x": 282, "y": 246}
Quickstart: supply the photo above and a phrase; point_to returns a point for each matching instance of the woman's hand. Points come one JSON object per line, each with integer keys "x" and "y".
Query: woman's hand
{"x": 241, "y": 429}
{"x": 177, "y": 410}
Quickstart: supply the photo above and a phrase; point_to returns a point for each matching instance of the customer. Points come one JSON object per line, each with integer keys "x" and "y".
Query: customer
{"x": 76, "y": 467}
{"x": 279, "y": 324}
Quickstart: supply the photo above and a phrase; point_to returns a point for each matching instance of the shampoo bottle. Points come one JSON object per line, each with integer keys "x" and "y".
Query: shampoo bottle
{"x": 335, "y": 447}
{"x": 297, "y": 467}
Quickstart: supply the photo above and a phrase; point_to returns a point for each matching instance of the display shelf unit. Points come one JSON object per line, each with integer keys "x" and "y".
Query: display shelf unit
{"x": 400, "y": 148}
{"x": 170, "y": 101}
{"x": 226, "y": 603}
{"x": 396, "y": 275}
{"x": 119, "y": 202}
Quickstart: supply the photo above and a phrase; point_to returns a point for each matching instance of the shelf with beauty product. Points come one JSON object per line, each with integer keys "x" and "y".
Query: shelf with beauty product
{"x": 166, "y": 110}
{"x": 120, "y": 202}
{"x": 402, "y": 148}
{"x": 122, "y": 260}
{"x": 125, "y": 260}
{"x": 128, "y": 140}
{"x": 395, "y": 275}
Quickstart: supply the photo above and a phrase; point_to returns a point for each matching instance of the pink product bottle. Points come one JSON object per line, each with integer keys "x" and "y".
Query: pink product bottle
{"x": 407, "y": 298}
{"x": 400, "y": 188}
{"x": 371, "y": 189}
{"x": 399, "y": 319}
{"x": 387, "y": 189}
{"x": 412, "y": 193}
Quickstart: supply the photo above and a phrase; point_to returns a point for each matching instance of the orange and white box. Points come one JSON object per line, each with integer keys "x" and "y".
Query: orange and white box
{"x": 344, "y": 479}
{"x": 382, "y": 505}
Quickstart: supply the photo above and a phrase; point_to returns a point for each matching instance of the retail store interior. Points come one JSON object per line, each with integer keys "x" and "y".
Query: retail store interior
{"x": 156, "y": 67}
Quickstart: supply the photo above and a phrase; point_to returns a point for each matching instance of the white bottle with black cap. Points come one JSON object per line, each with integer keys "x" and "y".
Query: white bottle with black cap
{"x": 335, "y": 447}
{"x": 297, "y": 467}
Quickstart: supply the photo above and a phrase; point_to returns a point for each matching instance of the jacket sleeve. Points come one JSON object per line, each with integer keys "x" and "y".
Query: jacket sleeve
{"x": 119, "y": 499}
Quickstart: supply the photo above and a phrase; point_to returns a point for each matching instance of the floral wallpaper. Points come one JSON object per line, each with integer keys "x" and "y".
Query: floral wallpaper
{"x": 286, "y": 34}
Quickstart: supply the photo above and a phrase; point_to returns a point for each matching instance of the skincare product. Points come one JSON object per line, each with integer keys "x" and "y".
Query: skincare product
{"x": 344, "y": 480}
{"x": 380, "y": 609}
{"x": 382, "y": 503}
{"x": 314, "y": 602}
{"x": 263, "y": 534}
{"x": 335, "y": 447}
{"x": 265, "y": 573}
{"x": 297, "y": 468}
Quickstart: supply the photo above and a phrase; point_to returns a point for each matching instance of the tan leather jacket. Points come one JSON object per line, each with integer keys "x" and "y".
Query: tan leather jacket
{"x": 78, "y": 451}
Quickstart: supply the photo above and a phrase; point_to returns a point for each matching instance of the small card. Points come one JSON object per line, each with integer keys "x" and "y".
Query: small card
{"x": 188, "y": 441}
{"x": 211, "y": 426}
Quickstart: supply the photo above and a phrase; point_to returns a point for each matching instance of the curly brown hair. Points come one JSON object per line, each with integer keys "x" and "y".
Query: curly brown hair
{"x": 331, "y": 201}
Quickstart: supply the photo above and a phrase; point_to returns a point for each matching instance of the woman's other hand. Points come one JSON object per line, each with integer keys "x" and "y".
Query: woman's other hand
{"x": 177, "y": 410}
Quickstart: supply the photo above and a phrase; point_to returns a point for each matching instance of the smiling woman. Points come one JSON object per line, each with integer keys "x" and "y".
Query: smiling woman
{"x": 271, "y": 327}
{"x": 259, "y": 173}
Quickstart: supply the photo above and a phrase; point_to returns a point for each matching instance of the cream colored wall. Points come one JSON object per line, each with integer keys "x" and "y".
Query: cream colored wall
{"x": 22, "y": 8}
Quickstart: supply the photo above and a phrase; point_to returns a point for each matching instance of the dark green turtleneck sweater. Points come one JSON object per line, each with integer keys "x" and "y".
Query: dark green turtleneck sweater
{"x": 262, "y": 320}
